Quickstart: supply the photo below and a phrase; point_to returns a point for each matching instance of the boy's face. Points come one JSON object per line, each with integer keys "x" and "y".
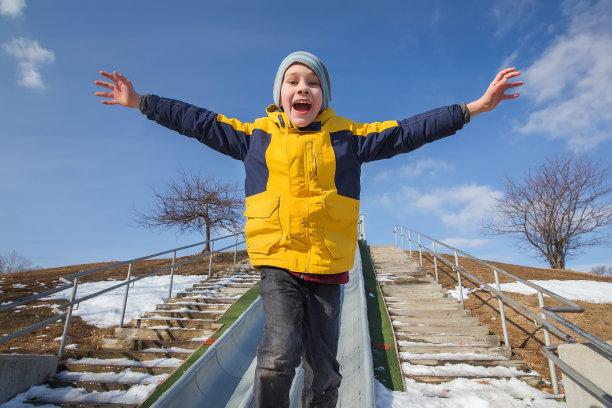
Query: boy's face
{"x": 301, "y": 95}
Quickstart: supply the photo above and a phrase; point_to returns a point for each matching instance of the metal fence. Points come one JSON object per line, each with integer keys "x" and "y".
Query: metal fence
{"x": 540, "y": 319}
{"x": 72, "y": 281}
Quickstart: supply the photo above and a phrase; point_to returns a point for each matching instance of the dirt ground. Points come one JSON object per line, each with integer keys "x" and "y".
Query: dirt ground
{"x": 45, "y": 340}
{"x": 526, "y": 339}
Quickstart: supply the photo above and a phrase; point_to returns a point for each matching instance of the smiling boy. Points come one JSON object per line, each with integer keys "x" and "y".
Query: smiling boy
{"x": 302, "y": 188}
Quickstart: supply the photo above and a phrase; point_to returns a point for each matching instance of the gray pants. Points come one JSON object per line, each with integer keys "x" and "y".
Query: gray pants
{"x": 301, "y": 325}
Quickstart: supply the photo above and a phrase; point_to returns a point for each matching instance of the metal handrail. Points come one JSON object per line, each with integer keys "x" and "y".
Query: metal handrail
{"x": 601, "y": 347}
{"x": 126, "y": 283}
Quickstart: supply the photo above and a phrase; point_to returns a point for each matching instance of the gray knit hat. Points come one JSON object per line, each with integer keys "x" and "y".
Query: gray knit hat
{"x": 312, "y": 62}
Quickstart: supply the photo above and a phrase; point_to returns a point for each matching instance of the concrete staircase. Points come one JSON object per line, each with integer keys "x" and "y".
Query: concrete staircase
{"x": 437, "y": 339}
{"x": 147, "y": 351}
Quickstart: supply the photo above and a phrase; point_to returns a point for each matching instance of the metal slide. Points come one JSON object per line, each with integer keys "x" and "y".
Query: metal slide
{"x": 223, "y": 376}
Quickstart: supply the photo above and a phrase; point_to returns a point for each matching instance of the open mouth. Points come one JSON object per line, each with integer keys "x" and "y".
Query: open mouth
{"x": 301, "y": 106}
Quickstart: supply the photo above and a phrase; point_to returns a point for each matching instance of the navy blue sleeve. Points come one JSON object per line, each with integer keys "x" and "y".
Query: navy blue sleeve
{"x": 409, "y": 134}
{"x": 228, "y": 137}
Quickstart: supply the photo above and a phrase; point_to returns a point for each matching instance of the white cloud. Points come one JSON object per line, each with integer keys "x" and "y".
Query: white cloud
{"x": 463, "y": 207}
{"x": 30, "y": 57}
{"x": 11, "y": 8}
{"x": 422, "y": 167}
{"x": 509, "y": 60}
{"x": 571, "y": 82}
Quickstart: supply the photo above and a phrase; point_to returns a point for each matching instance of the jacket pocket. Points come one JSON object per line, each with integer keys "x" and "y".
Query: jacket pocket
{"x": 263, "y": 228}
{"x": 340, "y": 226}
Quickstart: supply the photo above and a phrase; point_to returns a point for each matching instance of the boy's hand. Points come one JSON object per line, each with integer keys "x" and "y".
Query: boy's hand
{"x": 496, "y": 92}
{"x": 123, "y": 92}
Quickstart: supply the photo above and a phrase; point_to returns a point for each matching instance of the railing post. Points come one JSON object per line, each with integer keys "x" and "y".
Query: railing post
{"x": 502, "y": 314}
{"x": 409, "y": 242}
{"x": 125, "y": 296}
{"x": 60, "y": 354}
{"x": 212, "y": 251}
{"x": 172, "y": 275}
{"x": 435, "y": 259}
{"x": 402, "y": 236}
{"x": 395, "y": 234}
{"x": 551, "y": 364}
{"x": 235, "y": 247}
{"x": 459, "y": 279}
{"x": 420, "y": 251}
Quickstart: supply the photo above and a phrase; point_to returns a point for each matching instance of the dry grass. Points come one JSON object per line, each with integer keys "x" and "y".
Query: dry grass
{"x": 85, "y": 336}
{"x": 525, "y": 338}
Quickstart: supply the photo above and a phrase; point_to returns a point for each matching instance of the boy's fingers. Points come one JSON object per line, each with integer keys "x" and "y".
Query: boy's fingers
{"x": 514, "y": 84}
{"x": 107, "y": 75}
{"x": 105, "y": 94}
{"x": 104, "y": 84}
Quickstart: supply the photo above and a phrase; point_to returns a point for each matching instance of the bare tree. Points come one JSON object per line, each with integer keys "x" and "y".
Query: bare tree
{"x": 558, "y": 208}
{"x": 602, "y": 270}
{"x": 14, "y": 262}
{"x": 195, "y": 203}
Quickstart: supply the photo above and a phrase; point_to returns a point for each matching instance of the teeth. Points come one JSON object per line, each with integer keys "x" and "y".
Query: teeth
{"x": 302, "y": 103}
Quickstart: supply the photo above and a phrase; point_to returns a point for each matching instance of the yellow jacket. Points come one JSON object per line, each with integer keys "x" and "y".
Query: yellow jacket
{"x": 302, "y": 184}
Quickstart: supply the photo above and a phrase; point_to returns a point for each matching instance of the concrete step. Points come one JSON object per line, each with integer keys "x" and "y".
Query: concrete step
{"x": 414, "y": 294}
{"x": 434, "y": 321}
{"x": 201, "y": 287}
{"x": 532, "y": 380}
{"x": 196, "y": 315}
{"x": 90, "y": 386}
{"x": 409, "y": 306}
{"x": 490, "y": 340}
{"x": 164, "y": 333}
{"x": 134, "y": 354}
{"x": 174, "y": 322}
{"x": 443, "y": 330}
{"x": 206, "y": 300}
{"x": 425, "y": 301}
{"x": 432, "y": 348}
{"x": 518, "y": 364}
{"x": 223, "y": 291}
{"x": 415, "y": 287}
{"x": 117, "y": 368}
{"x": 140, "y": 344}
{"x": 408, "y": 312}
{"x": 193, "y": 306}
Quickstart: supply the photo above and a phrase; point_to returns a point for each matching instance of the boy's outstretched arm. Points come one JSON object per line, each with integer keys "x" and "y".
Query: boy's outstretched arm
{"x": 496, "y": 92}
{"x": 123, "y": 92}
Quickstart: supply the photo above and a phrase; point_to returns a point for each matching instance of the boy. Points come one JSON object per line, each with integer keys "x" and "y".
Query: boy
{"x": 302, "y": 189}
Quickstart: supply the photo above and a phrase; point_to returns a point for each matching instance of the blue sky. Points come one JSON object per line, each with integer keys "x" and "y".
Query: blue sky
{"x": 74, "y": 171}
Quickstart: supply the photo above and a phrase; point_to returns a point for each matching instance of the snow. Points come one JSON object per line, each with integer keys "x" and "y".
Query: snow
{"x": 461, "y": 370}
{"x": 127, "y": 376}
{"x": 463, "y": 393}
{"x": 587, "y": 291}
{"x": 134, "y": 395}
{"x": 105, "y": 310}
{"x": 584, "y": 290}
